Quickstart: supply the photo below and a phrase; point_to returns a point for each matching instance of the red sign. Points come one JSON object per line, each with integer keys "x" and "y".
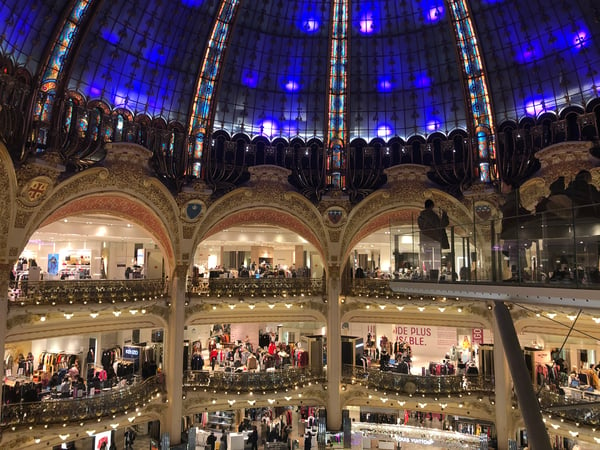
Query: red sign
{"x": 477, "y": 336}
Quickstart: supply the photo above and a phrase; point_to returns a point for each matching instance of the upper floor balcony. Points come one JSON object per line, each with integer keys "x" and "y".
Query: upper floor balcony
{"x": 130, "y": 399}
{"x": 552, "y": 248}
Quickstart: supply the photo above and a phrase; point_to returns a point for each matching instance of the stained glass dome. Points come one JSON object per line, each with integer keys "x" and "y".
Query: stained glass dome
{"x": 336, "y": 71}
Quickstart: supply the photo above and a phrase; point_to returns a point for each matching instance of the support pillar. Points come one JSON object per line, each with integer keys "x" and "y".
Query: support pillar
{"x": 174, "y": 355}
{"x": 4, "y": 281}
{"x": 503, "y": 406}
{"x": 528, "y": 402}
{"x": 334, "y": 350}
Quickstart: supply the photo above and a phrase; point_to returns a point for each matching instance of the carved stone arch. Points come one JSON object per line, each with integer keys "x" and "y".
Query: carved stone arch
{"x": 533, "y": 190}
{"x": 8, "y": 185}
{"x": 122, "y": 191}
{"x": 262, "y": 214}
{"x": 269, "y": 202}
{"x": 381, "y": 209}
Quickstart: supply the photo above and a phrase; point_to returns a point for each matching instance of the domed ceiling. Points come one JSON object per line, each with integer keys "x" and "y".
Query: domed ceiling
{"x": 400, "y": 64}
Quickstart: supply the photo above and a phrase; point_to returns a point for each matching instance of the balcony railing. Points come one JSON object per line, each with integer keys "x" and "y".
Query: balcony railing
{"x": 388, "y": 381}
{"x": 581, "y": 411}
{"x": 256, "y": 287}
{"x": 70, "y": 410}
{"x": 251, "y": 381}
{"x": 83, "y": 292}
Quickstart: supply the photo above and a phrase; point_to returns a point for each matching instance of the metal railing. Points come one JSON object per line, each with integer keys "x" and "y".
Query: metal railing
{"x": 251, "y": 381}
{"x": 583, "y": 411}
{"x": 257, "y": 287}
{"x": 80, "y": 409}
{"x": 83, "y": 292}
{"x": 388, "y": 381}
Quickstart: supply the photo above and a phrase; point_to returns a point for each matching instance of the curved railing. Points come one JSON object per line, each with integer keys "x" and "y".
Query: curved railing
{"x": 251, "y": 381}
{"x": 83, "y": 292}
{"x": 257, "y": 287}
{"x": 388, "y": 381}
{"x": 581, "y": 411}
{"x": 69, "y": 410}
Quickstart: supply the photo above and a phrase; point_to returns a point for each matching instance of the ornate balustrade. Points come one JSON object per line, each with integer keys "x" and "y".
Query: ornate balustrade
{"x": 78, "y": 410}
{"x": 583, "y": 411}
{"x": 251, "y": 381}
{"x": 417, "y": 385}
{"x": 257, "y": 287}
{"x": 83, "y": 292}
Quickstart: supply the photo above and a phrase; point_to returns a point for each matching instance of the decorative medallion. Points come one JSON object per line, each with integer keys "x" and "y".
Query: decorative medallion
{"x": 335, "y": 216}
{"x": 483, "y": 211}
{"x": 35, "y": 190}
{"x": 192, "y": 210}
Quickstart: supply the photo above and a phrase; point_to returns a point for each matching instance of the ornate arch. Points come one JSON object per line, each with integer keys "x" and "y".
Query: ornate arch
{"x": 8, "y": 185}
{"x": 267, "y": 201}
{"x": 407, "y": 192}
{"x": 121, "y": 191}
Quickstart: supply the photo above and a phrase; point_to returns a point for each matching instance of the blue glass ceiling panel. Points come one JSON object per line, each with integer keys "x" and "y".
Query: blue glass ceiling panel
{"x": 26, "y": 27}
{"x": 274, "y": 78}
{"x": 145, "y": 57}
{"x": 404, "y": 77}
{"x": 541, "y": 56}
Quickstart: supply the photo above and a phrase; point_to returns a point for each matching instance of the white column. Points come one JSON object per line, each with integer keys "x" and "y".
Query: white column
{"x": 334, "y": 350}
{"x": 174, "y": 355}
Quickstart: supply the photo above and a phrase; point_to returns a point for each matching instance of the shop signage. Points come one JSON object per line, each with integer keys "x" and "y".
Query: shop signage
{"x": 477, "y": 336}
{"x": 413, "y": 335}
{"x": 131, "y": 352}
{"x": 414, "y": 440}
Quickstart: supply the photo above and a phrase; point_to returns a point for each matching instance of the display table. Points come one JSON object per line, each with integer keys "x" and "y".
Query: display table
{"x": 236, "y": 441}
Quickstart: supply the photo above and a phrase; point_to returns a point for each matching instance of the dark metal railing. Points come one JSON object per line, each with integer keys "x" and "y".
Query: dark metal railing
{"x": 83, "y": 292}
{"x": 251, "y": 381}
{"x": 583, "y": 411}
{"x": 256, "y": 287}
{"x": 389, "y": 381}
{"x": 70, "y": 410}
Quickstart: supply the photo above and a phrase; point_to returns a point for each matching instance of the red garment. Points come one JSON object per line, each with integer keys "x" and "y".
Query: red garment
{"x": 272, "y": 348}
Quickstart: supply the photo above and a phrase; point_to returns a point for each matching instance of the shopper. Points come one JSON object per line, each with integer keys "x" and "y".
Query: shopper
{"x": 223, "y": 445}
{"x": 210, "y": 440}
{"x": 129, "y": 439}
{"x": 307, "y": 440}
{"x": 253, "y": 438}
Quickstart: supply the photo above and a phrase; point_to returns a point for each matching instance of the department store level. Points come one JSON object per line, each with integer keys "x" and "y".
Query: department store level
{"x": 305, "y": 223}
